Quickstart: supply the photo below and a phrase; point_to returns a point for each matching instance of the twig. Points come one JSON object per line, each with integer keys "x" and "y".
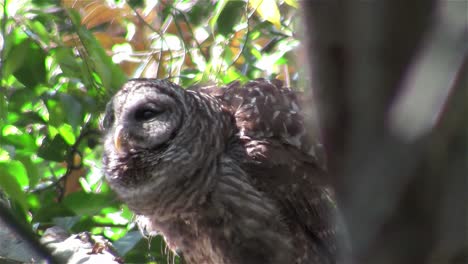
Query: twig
{"x": 160, "y": 34}
{"x": 184, "y": 16}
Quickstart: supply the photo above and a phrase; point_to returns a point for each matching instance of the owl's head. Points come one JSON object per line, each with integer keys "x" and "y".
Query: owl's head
{"x": 144, "y": 115}
{"x": 157, "y": 136}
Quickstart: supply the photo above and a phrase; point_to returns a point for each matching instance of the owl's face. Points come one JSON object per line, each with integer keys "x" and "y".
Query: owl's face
{"x": 144, "y": 115}
{"x": 157, "y": 137}
{"x": 142, "y": 126}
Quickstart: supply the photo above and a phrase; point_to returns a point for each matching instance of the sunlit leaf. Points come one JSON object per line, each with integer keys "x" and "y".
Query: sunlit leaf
{"x": 10, "y": 184}
{"x": 16, "y": 137}
{"x": 38, "y": 28}
{"x": 268, "y": 10}
{"x": 67, "y": 133}
{"x": 292, "y": 3}
{"x": 31, "y": 170}
{"x": 17, "y": 169}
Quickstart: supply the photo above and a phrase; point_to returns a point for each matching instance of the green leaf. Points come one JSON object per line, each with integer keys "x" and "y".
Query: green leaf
{"x": 229, "y": 17}
{"x": 111, "y": 75}
{"x": 19, "y": 97}
{"x": 15, "y": 58}
{"x": 29, "y": 67}
{"x": 54, "y": 150}
{"x": 67, "y": 61}
{"x": 10, "y": 184}
{"x": 67, "y": 133}
{"x": 75, "y": 110}
{"x": 17, "y": 169}
{"x": 51, "y": 210}
{"x": 3, "y": 109}
{"x": 200, "y": 11}
{"x": 89, "y": 203}
{"x": 268, "y": 10}
{"x": 22, "y": 141}
{"x": 29, "y": 118}
{"x": 38, "y": 28}
{"x": 31, "y": 169}
{"x": 217, "y": 12}
{"x": 56, "y": 112}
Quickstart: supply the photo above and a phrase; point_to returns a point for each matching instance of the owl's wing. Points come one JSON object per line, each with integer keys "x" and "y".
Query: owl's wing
{"x": 282, "y": 159}
{"x": 300, "y": 188}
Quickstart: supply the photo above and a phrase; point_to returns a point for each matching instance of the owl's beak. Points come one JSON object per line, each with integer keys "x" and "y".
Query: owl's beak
{"x": 118, "y": 139}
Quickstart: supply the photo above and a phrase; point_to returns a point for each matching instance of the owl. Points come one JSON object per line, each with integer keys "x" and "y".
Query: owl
{"x": 228, "y": 175}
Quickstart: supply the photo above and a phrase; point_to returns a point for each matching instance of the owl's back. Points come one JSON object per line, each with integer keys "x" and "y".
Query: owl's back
{"x": 282, "y": 163}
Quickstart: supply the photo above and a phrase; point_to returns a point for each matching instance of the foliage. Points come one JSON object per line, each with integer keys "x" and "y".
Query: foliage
{"x": 61, "y": 62}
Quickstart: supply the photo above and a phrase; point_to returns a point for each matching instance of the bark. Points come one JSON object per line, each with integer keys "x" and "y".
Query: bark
{"x": 390, "y": 78}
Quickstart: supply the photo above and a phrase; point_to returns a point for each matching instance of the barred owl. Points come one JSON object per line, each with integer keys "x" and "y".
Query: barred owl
{"x": 226, "y": 175}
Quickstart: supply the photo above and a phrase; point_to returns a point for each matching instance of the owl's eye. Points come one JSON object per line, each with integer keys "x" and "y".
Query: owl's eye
{"x": 146, "y": 113}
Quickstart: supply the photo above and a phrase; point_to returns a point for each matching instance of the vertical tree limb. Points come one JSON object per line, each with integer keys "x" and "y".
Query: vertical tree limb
{"x": 393, "y": 191}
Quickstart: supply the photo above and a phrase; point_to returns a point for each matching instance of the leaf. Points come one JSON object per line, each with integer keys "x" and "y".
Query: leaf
{"x": 54, "y": 150}
{"x": 18, "y": 98}
{"x": 17, "y": 169}
{"x": 3, "y": 108}
{"x": 22, "y": 141}
{"x": 67, "y": 133}
{"x": 128, "y": 242}
{"x": 111, "y": 75}
{"x": 268, "y": 10}
{"x": 66, "y": 222}
{"x": 51, "y": 210}
{"x": 30, "y": 70}
{"x": 89, "y": 203}
{"x": 56, "y": 111}
{"x": 200, "y": 11}
{"x": 31, "y": 170}
{"x": 229, "y": 17}
{"x": 18, "y": 52}
{"x": 292, "y": 3}
{"x": 75, "y": 110}
{"x": 29, "y": 118}
{"x": 38, "y": 28}
{"x": 10, "y": 184}
{"x": 67, "y": 61}
{"x": 218, "y": 9}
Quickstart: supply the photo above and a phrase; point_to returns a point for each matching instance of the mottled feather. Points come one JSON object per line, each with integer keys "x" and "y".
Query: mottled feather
{"x": 227, "y": 175}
